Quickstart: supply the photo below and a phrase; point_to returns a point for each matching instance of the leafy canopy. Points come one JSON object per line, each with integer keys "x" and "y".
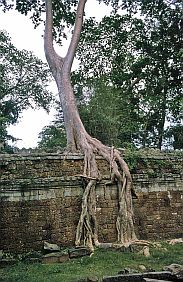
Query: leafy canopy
{"x": 124, "y": 49}
{"x": 142, "y": 57}
{"x": 23, "y": 83}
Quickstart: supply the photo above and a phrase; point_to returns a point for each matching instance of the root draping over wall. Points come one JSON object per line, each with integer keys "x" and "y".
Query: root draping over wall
{"x": 41, "y": 198}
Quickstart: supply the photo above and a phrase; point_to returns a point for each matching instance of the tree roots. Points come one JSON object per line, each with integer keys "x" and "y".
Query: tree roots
{"x": 86, "y": 233}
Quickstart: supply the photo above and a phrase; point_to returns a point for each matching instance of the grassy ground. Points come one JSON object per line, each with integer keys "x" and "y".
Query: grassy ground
{"x": 101, "y": 263}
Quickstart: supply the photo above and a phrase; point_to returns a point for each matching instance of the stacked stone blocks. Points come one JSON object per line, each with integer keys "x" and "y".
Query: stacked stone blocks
{"x": 41, "y": 194}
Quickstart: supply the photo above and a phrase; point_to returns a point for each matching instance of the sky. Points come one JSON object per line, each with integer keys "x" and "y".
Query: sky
{"x": 24, "y": 36}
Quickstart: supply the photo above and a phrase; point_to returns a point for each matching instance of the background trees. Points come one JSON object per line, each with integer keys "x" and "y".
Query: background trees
{"x": 53, "y": 135}
{"x": 23, "y": 83}
{"x": 140, "y": 55}
{"x": 137, "y": 56}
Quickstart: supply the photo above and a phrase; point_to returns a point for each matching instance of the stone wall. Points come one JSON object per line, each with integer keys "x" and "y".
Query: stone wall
{"x": 40, "y": 199}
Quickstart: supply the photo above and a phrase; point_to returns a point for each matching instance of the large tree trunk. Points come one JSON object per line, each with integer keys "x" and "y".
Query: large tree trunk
{"x": 72, "y": 119}
{"x": 79, "y": 140}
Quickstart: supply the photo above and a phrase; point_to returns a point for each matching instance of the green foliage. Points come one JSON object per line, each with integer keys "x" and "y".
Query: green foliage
{"x": 151, "y": 160}
{"x": 175, "y": 136}
{"x": 63, "y": 13}
{"x": 102, "y": 263}
{"x": 141, "y": 57}
{"x": 23, "y": 83}
{"x": 106, "y": 112}
{"x": 53, "y": 136}
{"x": 132, "y": 157}
{"x": 138, "y": 54}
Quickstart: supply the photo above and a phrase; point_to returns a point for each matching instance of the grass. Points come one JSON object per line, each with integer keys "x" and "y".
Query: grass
{"x": 101, "y": 263}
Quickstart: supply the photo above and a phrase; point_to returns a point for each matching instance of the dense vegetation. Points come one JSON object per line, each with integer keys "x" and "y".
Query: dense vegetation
{"x": 23, "y": 83}
{"x": 129, "y": 80}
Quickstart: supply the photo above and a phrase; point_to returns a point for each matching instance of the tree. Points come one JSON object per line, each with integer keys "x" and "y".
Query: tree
{"x": 113, "y": 41}
{"x": 145, "y": 53}
{"x": 98, "y": 109}
{"x": 175, "y": 136}
{"x": 79, "y": 139}
{"x": 23, "y": 83}
{"x": 52, "y": 136}
{"x": 163, "y": 48}
{"x": 105, "y": 112}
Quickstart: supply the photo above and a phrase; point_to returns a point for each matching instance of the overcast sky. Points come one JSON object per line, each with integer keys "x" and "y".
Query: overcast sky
{"x": 24, "y": 36}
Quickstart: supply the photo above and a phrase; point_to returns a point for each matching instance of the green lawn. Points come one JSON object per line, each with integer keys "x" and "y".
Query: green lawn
{"x": 101, "y": 263}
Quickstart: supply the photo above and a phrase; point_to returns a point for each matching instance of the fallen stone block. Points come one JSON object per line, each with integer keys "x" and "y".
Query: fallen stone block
{"x": 139, "y": 277}
{"x": 55, "y": 258}
{"x": 79, "y": 252}
{"x": 123, "y": 278}
{"x": 176, "y": 241}
{"x": 154, "y": 280}
{"x": 142, "y": 268}
{"x": 175, "y": 269}
{"x": 49, "y": 247}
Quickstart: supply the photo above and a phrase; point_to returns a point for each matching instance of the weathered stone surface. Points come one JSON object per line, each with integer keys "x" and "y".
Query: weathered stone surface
{"x": 55, "y": 258}
{"x": 154, "y": 280}
{"x": 40, "y": 199}
{"x": 175, "y": 269}
{"x": 51, "y": 247}
{"x": 139, "y": 277}
{"x": 179, "y": 275}
{"x": 79, "y": 252}
{"x": 176, "y": 241}
{"x": 142, "y": 268}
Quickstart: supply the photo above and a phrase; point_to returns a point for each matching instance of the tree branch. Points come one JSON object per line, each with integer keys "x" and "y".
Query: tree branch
{"x": 52, "y": 57}
{"x": 75, "y": 37}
